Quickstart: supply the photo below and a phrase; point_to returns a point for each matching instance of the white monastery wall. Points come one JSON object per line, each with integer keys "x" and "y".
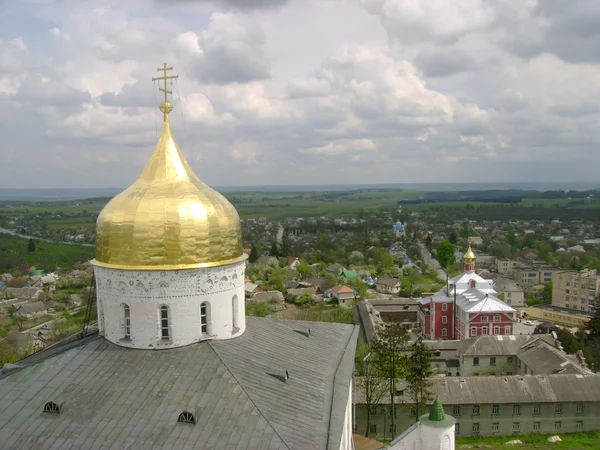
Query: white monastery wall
{"x": 145, "y": 292}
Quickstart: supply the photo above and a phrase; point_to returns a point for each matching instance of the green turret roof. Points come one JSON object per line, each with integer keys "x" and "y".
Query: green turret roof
{"x": 437, "y": 413}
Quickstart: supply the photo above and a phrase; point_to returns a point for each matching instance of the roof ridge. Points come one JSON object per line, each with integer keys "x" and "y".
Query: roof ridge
{"x": 248, "y": 395}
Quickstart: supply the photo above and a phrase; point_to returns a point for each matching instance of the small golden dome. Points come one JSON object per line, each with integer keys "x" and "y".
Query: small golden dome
{"x": 168, "y": 218}
{"x": 469, "y": 256}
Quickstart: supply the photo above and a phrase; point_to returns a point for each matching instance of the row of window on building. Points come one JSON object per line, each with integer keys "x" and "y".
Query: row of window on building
{"x": 516, "y": 409}
{"x": 476, "y": 428}
{"x": 496, "y": 330}
{"x": 164, "y": 315}
{"x": 476, "y": 409}
{"x": 516, "y": 427}
{"x": 509, "y": 360}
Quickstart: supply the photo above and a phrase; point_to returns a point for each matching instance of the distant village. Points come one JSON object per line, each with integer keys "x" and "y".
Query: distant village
{"x": 487, "y": 315}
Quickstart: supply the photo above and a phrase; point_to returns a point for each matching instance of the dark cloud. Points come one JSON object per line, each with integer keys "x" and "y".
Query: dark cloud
{"x": 35, "y": 90}
{"x": 231, "y": 51}
{"x": 139, "y": 94}
{"x": 568, "y": 29}
{"x": 242, "y": 5}
{"x": 442, "y": 62}
{"x": 228, "y": 66}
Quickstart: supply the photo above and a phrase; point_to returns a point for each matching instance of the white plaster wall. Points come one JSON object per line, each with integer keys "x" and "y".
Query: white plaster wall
{"x": 423, "y": 437}
{"x": 182, "y": 291}
{"x": 347, "y": 441}
{"x": 437, "y": 438}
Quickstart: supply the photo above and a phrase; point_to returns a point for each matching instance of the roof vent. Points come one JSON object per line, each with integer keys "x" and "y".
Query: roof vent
{"x": 51, "y": 407}
{"x": 187, "y": 417}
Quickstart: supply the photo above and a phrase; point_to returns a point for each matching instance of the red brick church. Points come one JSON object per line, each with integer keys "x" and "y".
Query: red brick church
{"x": 467, "y": 306}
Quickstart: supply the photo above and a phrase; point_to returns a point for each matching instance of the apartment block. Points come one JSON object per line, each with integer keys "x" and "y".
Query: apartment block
{"x": 576, "y": 290}
{"x": 526, "y": 273}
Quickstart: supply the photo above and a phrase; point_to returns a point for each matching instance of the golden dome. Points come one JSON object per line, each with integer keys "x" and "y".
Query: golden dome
{"x": 168, "y": 218}
{"x": 469, "y": 256}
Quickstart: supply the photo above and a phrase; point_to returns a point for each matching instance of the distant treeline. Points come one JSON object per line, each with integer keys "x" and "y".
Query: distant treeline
{"x": 512, "y": 212}
{"x": 499, "y": 196}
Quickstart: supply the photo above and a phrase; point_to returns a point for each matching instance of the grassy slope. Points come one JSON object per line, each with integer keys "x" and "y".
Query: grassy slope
{"x": 573, "y": 441}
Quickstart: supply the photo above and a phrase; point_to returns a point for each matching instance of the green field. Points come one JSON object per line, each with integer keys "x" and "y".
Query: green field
{"x": 47, "y": 256}
{"x": 278, "y": 205}
{"x": 311, "y": 204}
{"x": 573, "y": 441}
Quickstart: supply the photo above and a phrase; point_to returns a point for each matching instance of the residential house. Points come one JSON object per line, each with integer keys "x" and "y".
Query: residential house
{"x": 299, "y": 292}
{"x": 293, "y": 262}
{"x": 5, "y": 277}
{"x": 267, "y": 260}
{"x": 388, "y": 285}
{"x": 250, "y": 289}
{"x": 31, "y": 310}
{"x": 529, "y": 253}
{"x": 268, "y": 296}
{"x": 475, "y": 240}
{"x": 576, "y": 290}
{"x": 411, "y": 266}
{"x": 319, "y": 283}
{"x": 335, "y": 269}
{"x": 349, "y": 275}
{"x": 344, "y": 294}
{"x": 25, "y": 293}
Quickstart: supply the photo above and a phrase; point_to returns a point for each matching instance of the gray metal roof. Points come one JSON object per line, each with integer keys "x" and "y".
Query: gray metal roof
{"x": 542, "y": 358}
{"x": 508, "y": 389}
{"x": 518, "y": 389}
{"x": 496, "y": 345}
{"x": 124, "y": 398}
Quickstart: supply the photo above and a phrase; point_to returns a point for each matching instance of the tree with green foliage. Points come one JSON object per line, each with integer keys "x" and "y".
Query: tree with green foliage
{"x": 511, "y": 238}
{"x": 390, "y": 359}
{"x": 305, "y": 300}
{"x": 31, "y": 246}
{"x": 381, "y": 258}
{"x": 275, "y": 250}
{"x": 428, "y": 242}
{"x": 276, "y": 278}
{"x": 258, "y": 309}
{"x": 11, "y": 310}
{"x": 593, "y": 337}
{"x": 19, "y": 321}
{"x": 7, "y": 353}
{"x": 547, "y": 292}
{"x": 419, "y": 373}
{"x": 286, "y": 248}
{"x": 304, "y": 270}
{"x": 452, "y": 237}
{"x": 569, "y": 341}
{"x": 253, "y": 254}
{"x": 444, "y": 253}
{"x": 368, "y": 380}
{"x": 593, "y": 325}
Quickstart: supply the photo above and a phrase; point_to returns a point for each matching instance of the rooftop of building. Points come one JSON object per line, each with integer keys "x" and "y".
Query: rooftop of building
{"x": 508, "y": 389}
{"x": 110, "y": 396}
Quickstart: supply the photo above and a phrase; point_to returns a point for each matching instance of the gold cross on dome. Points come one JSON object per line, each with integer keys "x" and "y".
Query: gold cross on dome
{"x": 165, "y": 106}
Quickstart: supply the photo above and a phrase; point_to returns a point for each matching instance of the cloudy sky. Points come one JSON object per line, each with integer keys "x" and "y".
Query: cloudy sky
{"x": 302, "y": 91}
